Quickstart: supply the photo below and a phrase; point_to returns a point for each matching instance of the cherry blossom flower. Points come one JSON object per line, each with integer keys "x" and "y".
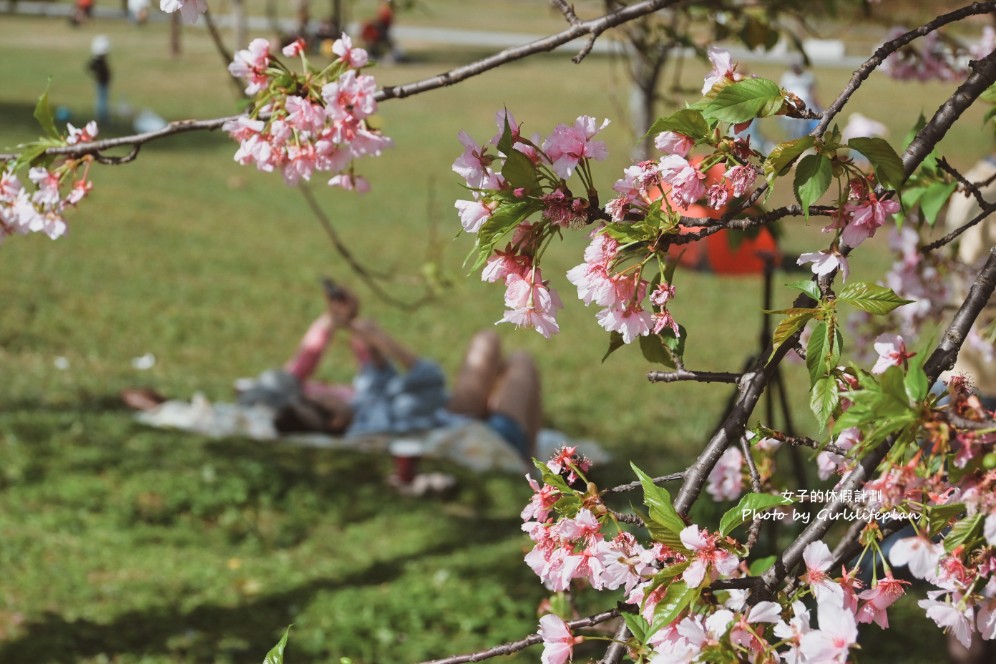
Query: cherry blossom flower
{"x": 531, "y": 303}
{"x": 831, "y": 642}
{"x": 866, "y": 218}
{"x": 919, "y": 553}
{"x": 878, "y": 598}
{"x": 354, "y": 57}
{"x": 722, "y": 67}
{"x": 543, "y": 499}
{"x": 350, "y": 183}
{"x": 792, "y": 632}
{"x": 250, "y": 64}
{"x": 891, "y": 351}
{"x": 742, "y": 177}
{"x": 817, "y": 557}
{"x": 474, "y": 213}
{"x": 189, "y": 9}
{"x": 828, "y": 463}
{"x": 684, "y": 178}
{"x": 294, "y": 49}
{"x": 825, "y": 262}
{"x": 567, "y": 146}
{"x": 671, "y": 142}
{"x": 558, "y": 642}
{"x": 706, "y": 557}
{"x": 474, "y": 165}
{"x": 84, "y": 135}
{"x": 726, "y": 482}
{"x": 951, "y": 615}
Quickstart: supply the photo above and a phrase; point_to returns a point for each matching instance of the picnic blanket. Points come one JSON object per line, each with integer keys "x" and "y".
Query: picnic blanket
{"x": 472, "y": 444}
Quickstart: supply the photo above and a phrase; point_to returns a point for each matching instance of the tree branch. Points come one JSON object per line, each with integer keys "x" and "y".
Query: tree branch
{"x": 697, "y": 376}
{"x": 890, "y": 47}
{"x": 983, "y": 214}
{"x": 522, "y": 644}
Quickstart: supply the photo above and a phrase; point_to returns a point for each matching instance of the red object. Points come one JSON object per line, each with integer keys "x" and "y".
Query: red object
{"x": 715, "y": 253}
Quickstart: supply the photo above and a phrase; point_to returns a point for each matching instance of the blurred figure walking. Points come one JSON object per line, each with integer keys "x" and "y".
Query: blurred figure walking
{"x": 99, "y": 48}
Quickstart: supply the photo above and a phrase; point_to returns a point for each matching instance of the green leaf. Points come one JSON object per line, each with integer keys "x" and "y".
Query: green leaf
{"x": 812, "y": 179}
{"x": 615, "y": 343}
{"x": 915, "y": 382}
{"x": 750, "y": 503}
{"x": 659, "y": 501}
{"x": 637, "y": 625}
{"x": 29, "y": 154}
{"x": 933, "y": 199}
{"x": 823, "y": 350}
{"x": 677, "y": 598}
{"x": 43, "y": 114}
{"x": 783, "y": 154}
{"x": 687, "y": 121}
{"x": 761, "y": 565}
{"x": 788, "y": 326}
{"x": 893, "y": 385}
{"x": 963, "y": 532}
{"x": 887, "y": 164}
{"x": 520, "y": 172}
{"x": 872, "y": 298}
{"x": 654, "y": 351}
{"x": 823, "y": 400}
{"x": 807, "y": 286}
{"x": 276, "y": 654}
{"x": 676, "y": 344}
{"x": 744, "y": 100}
{"x": 505, "y": 142}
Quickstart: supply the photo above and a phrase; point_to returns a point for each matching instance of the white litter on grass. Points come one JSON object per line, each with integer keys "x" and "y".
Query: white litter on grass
{"x": 61, "y": 363}
{"x": 144, "y": 362}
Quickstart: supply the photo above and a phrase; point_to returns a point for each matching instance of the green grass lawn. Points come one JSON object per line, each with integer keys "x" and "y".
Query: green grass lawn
{"x": 123, "y": 544}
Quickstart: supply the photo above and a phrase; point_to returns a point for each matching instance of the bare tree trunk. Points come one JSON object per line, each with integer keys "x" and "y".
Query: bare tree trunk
{"x": 240, "y": 25}
{"x": 175, "y": 30}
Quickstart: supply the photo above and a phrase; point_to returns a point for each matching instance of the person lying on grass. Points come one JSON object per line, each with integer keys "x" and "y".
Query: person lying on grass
{"x": 394, "y": 391}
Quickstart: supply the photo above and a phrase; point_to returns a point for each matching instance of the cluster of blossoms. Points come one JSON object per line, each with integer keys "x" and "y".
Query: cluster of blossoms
{"x": 300, "y": 125}
{"x": 529, "y": 177}
{"x": 857, "y": 220}
{"x": 40, "y": 206}
{"x": 938, "y": 57}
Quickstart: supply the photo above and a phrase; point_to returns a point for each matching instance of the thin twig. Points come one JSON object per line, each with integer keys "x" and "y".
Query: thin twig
{"x": 697, "y": 376}
{"x": 368, "y": 277}
{"x": 219, "y": 46}
{"x": 522, "y": 644}
{"x": 755, "y": 485}
{"x": 117, "y": 161}
{"x": 567, "y": 10}
{"x": 633, "y": 486}
{"x": 983, "y": 214}
{"x": 969, "y": 187}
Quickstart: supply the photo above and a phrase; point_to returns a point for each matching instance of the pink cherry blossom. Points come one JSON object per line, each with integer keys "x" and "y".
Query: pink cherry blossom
{"x": 354, "y": 57}
{"x": 473, "y": 214}
{"x": 189, "y": 9}
{"x": 684, "y": 178}
{"x": 825, "y": 262}
{"x": 474, "y": 165}
{"x": 919, "y": 553}
{"x": 726, "y": 482}
{"x": 831, "y": 642}
{"x": 950, "y": 615}
{"x": 558, "y": 642}
{"x": 531, "y": 303}
{"x": 84, "y": 135}
{"x": 878, "y": 598}
{"x": 350, "y": 183}
{"x": 722, "y": 67}
{"x": 250, "y": 64}
{"x": 742, "y": 177}
{"x": 567, "y": 146}
{"x": 706, "y": 558}
{"x": 671, "y": 142}
{"x": 294, "y": 49}
{"x": 629, "y": 320}
{"x": 891, "y": 349}
{"x": 817, "y": 557}
{"x": 866, "y": 218}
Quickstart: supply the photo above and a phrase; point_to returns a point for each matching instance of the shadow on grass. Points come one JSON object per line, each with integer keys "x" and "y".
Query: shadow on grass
{"x": 254, "y": 625}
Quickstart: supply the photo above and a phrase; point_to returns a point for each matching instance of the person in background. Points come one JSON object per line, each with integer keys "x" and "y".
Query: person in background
{"x": 101, "y": 71}
{"x": 800, "y": 81}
